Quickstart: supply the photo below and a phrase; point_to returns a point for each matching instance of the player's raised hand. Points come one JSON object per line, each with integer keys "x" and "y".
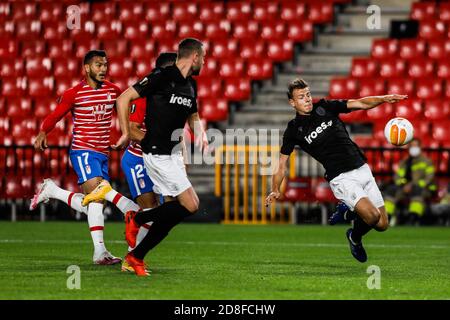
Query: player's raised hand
{"x": 272, "y": 197}
{"x": 393, "y": 98}
{"x": 41, "y": 141}
{"x": 123, "y": 141}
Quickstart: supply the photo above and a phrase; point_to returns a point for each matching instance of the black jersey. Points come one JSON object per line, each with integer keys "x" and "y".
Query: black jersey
{"x": 323, "y": 135}
{"x": 171, "y": 99}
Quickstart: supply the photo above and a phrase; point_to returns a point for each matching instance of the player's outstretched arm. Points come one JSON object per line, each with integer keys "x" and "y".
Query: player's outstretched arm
{"x": 277, "y": 179}
{"x": 123, "y": 105}
{"x": 366, "y": 103}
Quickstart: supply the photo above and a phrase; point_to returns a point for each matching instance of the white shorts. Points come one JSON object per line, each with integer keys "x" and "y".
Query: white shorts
{"x": 168, "y": 173}
{"x": 349, "y": 187}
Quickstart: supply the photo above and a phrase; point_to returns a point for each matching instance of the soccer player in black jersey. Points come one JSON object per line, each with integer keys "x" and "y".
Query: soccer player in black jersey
{"x": 171, "y": 101}
{"x": 317, "y": 130}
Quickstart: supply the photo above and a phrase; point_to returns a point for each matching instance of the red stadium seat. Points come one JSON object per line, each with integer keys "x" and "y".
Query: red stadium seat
{"x": 136, "y": 30}
{"x": 143, "y": 67}
{"x": 251, "y": 49}
{"x": 441, "y": 130}
{"x": 131, "y": 11}
{"x": 40, "y": 87}
{"x": 292, "y": 11}
{"x": 210, "y": 68}
{"x": 19, "y": 108}
{"x": 436, "y": 109}
{"x": 14, "y": 189}
{"x": 225, "y": 49}
{"x": 14, "y": 87}
{"x": 265, "y": 11}
{"x": 428, "y": 88}
{"x": 120, "y": 67}
{"x": 158, "y": 11}
{"x": 260, "y": 69}
{"x": 213, "y": 109}
{"x": 364, "y": 68}
{"x": 371, "y": 87}
{"x": 116, "y": 49}
{"x": 84, "y": 46}
{"x": 211, "y": 11}
{"x": 384, "y": 48}
{"x": 55, "y": 30}
{"x": 184, "y": 11}
{"x": 8, "y": 48}
{"x": 38, "y": 67}
{"x": 190, "y": 29}
{"x": 2, "y": 109}
{"x": 43, "y": 106}
{"x": 109, "y": 30}
{"x": 343, "y": 88}
{"x": 217, "y": 30}
{"x": 164, "y": 30}
{"x": 86, "y": 33}
{"x": 67, "y": 67}
{"x": 444, "y": 11}
{"x": 320, "y": 12}
{"x": 438, "y": 49}
{"x": 24, "y": 11}
{"x": 231, "y": 68}
{"x": 142, "y": 50}
{"x": 280, "y": 50}
{"x": 410, "y": 109}
{"x": 58, "y": 48}
{"x": 300, "y": 31}
{"x": 64, "y": 83}
{"x": 420, "y": 68}
{"x": 33, "y": 49}
{"x": 392, "y": 68}
{"x": 443, "y": 69}
{"x": 8, "y": 30}
{"x": 246, "y": 30}
{"x": 432, "y": 29}
{"x": 239, "y": 11}
{"x": 401, "y": 86}
{"x": 208, "y": 88}
{"x": 237, "y": 89}
{"x": 323, "y": 192}
{"x": 385, "y": 112}
{"x": 412, "y": 48}
{"x": 273, "y": 30}
{"x": 299, "y": 190}
{"x": 103, "y": 11}
{"x": 28, "y": 30}
{"x": 423, "y": 10}
{"x": 12, "y": 67}
{"x": 167, "y": 45}
{"x": 50, "y": 11}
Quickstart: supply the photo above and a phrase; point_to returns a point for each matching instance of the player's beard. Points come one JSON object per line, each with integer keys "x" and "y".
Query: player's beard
{"x": 93, "y": 76}
{"x": 196, "y": 70}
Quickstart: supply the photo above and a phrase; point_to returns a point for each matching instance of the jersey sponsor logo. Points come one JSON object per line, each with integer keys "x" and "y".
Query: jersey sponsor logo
{"x": 180, "y": 100}
{"x": 313, "y": 135}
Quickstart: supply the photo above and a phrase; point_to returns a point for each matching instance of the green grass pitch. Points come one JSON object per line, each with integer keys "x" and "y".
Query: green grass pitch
{"x": 207, "y": 261}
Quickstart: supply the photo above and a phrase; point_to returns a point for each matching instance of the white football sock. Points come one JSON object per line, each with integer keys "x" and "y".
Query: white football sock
{"x": 122, "y": 203}
{"x": 71, "y": 198}
{"x": 96, "y": 223}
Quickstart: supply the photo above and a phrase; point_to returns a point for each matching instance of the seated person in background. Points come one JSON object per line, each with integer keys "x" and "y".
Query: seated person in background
{"x": 442, "y": 209}
{"x": 413, "y": 182}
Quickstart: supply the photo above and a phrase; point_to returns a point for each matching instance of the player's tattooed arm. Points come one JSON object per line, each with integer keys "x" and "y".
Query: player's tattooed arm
{"x": 277, "y": 179}
{"x": 123, "y": 106}
{"x": 366, "y": 103}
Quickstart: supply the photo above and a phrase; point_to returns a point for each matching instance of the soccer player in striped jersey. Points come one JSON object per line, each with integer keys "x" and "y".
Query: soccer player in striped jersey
{"x": 91, "y": 103}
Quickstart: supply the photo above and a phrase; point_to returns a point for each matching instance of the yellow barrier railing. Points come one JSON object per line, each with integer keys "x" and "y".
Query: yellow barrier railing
{"x": 243, "y": 180}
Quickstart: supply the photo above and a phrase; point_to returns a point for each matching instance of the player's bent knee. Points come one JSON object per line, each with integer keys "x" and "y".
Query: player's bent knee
{"x": 373, "y": 217}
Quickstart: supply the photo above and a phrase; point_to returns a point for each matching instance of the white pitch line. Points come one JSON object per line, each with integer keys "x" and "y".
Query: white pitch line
{"x": 226, "y": 243}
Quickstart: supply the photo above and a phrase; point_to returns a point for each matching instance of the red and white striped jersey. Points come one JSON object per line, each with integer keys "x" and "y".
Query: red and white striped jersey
{"x": 137, "y": 114}
{"x": 91, "y": 112}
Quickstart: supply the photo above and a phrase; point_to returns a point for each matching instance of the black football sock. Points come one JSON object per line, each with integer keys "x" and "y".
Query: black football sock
{"x": 151, "y": 215}
{"x": 360, "y": 228}
{"x": 175, "y": 213}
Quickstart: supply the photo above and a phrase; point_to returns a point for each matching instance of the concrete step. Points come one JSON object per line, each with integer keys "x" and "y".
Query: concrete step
{"x": 318, "y": 63}
{"x": 358, "y": 20}
{"x": 354, "y": 40}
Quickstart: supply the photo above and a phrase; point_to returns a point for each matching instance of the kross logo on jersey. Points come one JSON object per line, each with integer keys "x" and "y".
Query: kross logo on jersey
{"x": 313, "y": 135}
{"x": 180, "y": 100}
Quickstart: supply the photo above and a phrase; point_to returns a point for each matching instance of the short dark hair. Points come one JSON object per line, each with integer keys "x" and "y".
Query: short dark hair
{"x": 296, "y": 84}
{"x": 165, "y": 59}
{"x": 188, "y": 46}
{"x": 91, "y": 54}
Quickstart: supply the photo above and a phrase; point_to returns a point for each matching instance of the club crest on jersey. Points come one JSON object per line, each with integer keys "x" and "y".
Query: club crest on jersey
{"x": 88, "y": 169}
{"x": 142, "y": 183}
{"x": 180, "y": 100}
{"x": 313, "y": 135}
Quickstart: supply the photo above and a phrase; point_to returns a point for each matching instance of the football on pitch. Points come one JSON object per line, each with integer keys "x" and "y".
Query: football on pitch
{"x": 399, "y": 131}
